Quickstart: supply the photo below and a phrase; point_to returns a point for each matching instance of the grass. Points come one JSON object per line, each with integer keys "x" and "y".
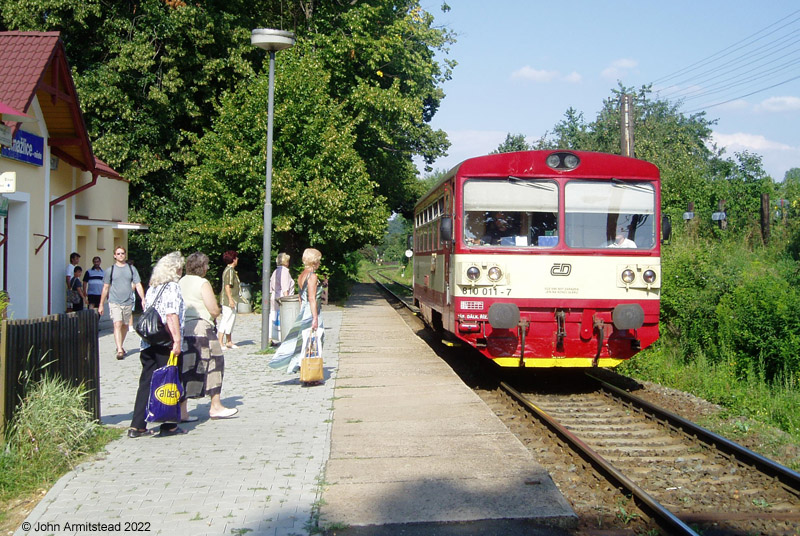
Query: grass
{"x": 50, "y": 434}
{"x": 753, "y": 407}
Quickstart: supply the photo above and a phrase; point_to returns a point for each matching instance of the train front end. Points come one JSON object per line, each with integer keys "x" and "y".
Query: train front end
{"x": 554, "y": 260}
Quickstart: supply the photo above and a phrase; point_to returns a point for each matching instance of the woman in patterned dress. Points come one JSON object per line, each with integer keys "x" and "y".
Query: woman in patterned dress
{"x": 203, "y": 361}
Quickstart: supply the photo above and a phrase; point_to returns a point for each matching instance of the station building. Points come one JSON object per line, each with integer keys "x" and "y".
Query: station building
{"x": 56, "y": 197}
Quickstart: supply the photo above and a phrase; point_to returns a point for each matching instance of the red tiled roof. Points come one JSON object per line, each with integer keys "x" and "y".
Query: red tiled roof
{"x": 34, "y": 64}
{"x": 24, "y": 58}
{"x": 105, "y": 170}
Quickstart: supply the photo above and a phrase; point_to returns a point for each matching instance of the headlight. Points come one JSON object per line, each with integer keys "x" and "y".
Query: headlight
{"x": 473, "y": 273}
{"x": 563, "y": 161}
{"x": 649, "y": 276}
{"x": 628, "y": 276}
{"x": 495, "y": 273}
{"x": 571, "y": 161}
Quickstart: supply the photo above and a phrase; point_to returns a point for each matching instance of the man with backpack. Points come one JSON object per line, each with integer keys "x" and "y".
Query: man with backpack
{"x": 118, "y": 283}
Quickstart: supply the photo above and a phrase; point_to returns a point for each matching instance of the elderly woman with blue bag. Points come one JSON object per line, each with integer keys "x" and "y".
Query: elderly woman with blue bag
{"x": 164, "y": 294}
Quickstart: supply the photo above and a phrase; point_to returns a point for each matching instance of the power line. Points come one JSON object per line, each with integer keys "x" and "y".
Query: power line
{"x": 737, "y": 64}
{"x": 750, "y": 64}
{"x": 743, "y": 96}
{"x": 708, "y": 59}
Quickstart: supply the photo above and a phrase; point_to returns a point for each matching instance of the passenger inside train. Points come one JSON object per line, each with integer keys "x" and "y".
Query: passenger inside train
{"x": 505, "y": 228}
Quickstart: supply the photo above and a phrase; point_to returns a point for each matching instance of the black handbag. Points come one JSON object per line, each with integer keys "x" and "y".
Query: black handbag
{"x": 151, "y": 328}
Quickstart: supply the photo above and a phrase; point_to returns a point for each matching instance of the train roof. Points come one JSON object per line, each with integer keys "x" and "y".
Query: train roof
{"x": 533, "y": 164}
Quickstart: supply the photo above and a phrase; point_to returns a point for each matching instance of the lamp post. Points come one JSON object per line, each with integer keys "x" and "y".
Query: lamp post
{"x": 271, "y": 41}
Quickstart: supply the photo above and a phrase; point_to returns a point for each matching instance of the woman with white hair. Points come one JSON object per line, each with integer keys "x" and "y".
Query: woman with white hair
{"x": 280, "y": 284}
{"x": 170, "y": 306}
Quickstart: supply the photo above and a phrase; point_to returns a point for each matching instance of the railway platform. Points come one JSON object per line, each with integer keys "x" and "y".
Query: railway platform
{"x": 392, "y": 443}
{"x": 412, "y": 447}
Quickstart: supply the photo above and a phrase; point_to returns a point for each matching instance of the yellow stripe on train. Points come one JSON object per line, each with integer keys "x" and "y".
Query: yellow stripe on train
{"x": 552, "y": 362}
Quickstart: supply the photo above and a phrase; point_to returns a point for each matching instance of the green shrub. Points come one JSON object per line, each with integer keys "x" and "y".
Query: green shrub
{"x": 759, "y": 323}
{"x": 49, "y": 433}
{"x": 732, "y": 303}
{"x": 697, "y": 274}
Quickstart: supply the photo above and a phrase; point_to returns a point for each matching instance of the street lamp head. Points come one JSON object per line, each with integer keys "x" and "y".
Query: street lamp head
{"x": 271, "y": 40}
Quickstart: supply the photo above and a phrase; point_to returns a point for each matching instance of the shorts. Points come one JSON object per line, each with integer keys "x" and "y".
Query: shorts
{"x": 94, "y": 299}
{"x": 120, "y": 313}
{"x": 226, "y": 320}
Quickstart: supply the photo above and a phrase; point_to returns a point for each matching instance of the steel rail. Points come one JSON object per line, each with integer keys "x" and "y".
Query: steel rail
{"x": 790, "y": 479}
{"x": 379, "y": 271}
{"x": 410, "y": 307}
{"x": 663, "y": 517}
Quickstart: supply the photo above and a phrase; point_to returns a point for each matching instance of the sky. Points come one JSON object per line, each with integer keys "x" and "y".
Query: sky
{"x": 522, "y": 64}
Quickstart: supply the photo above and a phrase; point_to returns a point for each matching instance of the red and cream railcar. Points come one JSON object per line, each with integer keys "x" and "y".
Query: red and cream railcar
{"x": 543, "y": 258}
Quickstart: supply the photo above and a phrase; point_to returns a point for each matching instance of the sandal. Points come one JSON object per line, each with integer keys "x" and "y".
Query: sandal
{"x": 190, "y": 418}
{"x": 231, "y": 345}
{"x": 227, "y": 413}
{"x": 133, "y": 433}
{"x": 172, "y": 431}
{"x": 120, "y": 355}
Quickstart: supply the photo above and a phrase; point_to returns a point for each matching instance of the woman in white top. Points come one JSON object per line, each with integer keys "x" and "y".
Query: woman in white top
{"x": 203, "y": 361}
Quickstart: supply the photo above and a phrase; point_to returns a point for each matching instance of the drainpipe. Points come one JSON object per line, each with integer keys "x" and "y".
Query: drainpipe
{"x": 53, "y": 203}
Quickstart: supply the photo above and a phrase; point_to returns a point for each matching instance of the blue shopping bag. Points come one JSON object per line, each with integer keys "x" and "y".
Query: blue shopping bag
{"x": 166, "y": 392}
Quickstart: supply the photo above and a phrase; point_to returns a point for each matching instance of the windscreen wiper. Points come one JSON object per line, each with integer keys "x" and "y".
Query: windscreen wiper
{"x": 538, "y": 185}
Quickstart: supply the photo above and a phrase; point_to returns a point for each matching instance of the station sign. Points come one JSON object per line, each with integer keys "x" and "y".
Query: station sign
{"x": 26, "y": 147}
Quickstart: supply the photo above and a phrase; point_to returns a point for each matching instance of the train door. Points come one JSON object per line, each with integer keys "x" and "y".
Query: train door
{"x": 446, "y": 244}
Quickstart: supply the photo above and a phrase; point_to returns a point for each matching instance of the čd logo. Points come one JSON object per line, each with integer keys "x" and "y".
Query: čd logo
{"x": 168, "y": 394}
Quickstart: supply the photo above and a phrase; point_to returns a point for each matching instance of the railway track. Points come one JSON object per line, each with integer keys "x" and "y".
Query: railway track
{"x": 625, "y": 464}
{"x": 400, "y": 291}
{"x": 677, "y": 474}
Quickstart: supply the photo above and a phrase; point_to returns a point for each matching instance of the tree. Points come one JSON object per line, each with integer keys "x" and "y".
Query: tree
{"x": 381, "y": 58}
{"x": 153, "y": 74}
{"x": 572, "y": 131}
{"x": 321, "y": 193}
{"x": 790, "y": 189}
{"x": 515, "y": 142}
{"x": 740, "y": 182}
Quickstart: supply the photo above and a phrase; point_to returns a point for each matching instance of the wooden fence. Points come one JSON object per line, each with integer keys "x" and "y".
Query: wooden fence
{"x": 64, "y": 345}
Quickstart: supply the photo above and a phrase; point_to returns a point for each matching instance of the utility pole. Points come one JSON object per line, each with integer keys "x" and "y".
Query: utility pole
{"x": 765, "y": 230}
{"x": 626, "y": 125}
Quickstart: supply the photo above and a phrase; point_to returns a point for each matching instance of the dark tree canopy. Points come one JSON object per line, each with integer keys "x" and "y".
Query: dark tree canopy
{"x": 173, "y": 96}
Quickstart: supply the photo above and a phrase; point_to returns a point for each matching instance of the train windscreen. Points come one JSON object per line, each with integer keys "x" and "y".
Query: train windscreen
{"x": 609, "y": 214}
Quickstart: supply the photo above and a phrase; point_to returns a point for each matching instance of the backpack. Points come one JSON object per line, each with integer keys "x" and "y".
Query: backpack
{"x": 73, "y": 296}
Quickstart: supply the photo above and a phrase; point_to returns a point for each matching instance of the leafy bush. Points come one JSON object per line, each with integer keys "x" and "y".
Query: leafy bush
{"x": 729, "y": 302}
{"x": 49, "y": 433}
{"x": 695, "y": 279}
{"x": 759, "y": 322}
{"x": 730, "y": 316}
